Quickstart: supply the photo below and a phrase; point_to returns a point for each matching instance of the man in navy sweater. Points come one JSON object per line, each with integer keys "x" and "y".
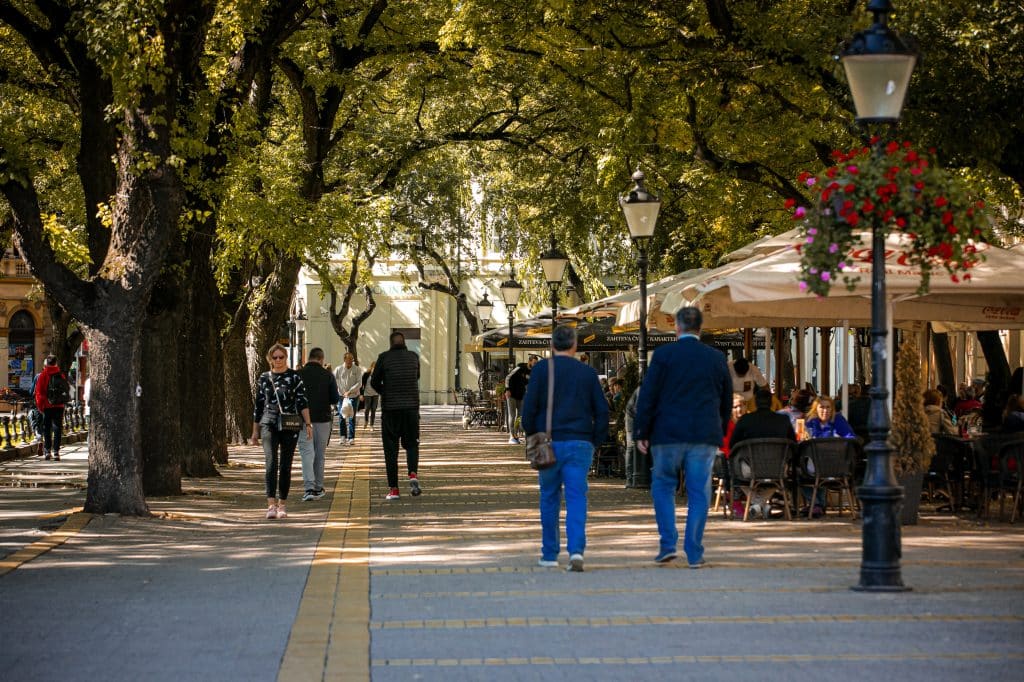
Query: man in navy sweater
{"x": 579, "y": 423}
{"x": 684, "y": 404}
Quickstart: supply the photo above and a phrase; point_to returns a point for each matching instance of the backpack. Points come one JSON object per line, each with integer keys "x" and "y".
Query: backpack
{"x": 58, "y": 391}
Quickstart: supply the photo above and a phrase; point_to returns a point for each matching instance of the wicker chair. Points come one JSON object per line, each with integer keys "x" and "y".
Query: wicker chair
{"x": 828, "y": 463}
{"x": 760, "y": 463}
{"x": 953, "y": 457}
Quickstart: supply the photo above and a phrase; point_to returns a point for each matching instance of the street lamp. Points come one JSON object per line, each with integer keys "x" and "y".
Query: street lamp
{"x": 641, "y": 211}
{"x": 510, "y": 292}
{"x": 554, "y": 262}
{"x": 878, "y": 66}
{"x": 483, "y": 310}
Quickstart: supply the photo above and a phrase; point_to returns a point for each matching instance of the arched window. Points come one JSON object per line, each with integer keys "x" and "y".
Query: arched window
{"x": 21, "y": 350}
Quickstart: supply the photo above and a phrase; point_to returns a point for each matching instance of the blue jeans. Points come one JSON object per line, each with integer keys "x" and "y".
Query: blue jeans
{"x": 695, "y": 459}
{"x": 572, "y": 464}
{"x": 347, "y": 426}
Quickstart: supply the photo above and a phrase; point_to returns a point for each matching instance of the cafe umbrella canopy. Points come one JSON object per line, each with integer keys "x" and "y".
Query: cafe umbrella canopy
{"x": 762, "y": 291}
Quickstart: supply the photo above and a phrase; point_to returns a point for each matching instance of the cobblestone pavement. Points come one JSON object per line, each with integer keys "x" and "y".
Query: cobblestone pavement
{"x": 445, "y": 586}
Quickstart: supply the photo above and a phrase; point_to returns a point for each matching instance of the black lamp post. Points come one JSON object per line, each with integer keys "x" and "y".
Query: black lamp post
{"x": 878, "y": 66}
{"x": 641, "y": 211}
{"x": 554, "y": 262}
{"x": 510, "y": 291}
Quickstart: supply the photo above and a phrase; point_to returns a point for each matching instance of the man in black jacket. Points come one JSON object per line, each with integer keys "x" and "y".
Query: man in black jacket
{"x": 396, "y": 377}
{"x": 762, "y": 422}
{"x": 322, "y": 394}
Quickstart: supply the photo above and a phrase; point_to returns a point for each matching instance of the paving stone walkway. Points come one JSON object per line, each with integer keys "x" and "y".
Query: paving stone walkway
{"x": 446, "y": 587}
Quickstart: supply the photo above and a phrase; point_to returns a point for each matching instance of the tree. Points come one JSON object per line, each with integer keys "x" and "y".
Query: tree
{"x": 141, "y": 104}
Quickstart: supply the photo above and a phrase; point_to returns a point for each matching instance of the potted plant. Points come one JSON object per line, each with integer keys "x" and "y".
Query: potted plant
{"x": 910, "y": 437}
{"x": 890, "y": 187}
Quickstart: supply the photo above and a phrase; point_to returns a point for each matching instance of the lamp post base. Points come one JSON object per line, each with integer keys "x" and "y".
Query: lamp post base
{"x": 880, "y": 564}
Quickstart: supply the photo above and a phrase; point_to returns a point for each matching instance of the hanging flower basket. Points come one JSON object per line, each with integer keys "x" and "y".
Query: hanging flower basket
{"x": 892, "y": 188}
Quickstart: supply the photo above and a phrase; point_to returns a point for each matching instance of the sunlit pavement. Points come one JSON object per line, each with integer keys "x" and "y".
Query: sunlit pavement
{"x": 447, "y": 588}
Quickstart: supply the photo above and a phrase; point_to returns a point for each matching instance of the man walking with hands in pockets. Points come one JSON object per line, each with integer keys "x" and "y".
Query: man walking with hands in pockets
{"x": 685, "y": 401}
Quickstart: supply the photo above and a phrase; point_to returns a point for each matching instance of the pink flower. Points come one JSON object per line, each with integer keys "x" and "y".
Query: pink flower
{"x": 800, "y": 212}
{"x": 810, "y": 240}
{"x": 852, "y": 170}
{"x": 812, "y": 231}
{"x": 826, "y": 276}
{"x": 832, "y": 248}
{"x": 803, "y": 285}
{"x": 811, "y": 181}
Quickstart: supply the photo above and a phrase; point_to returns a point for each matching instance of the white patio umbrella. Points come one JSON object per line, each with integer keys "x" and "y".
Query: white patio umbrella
{"x": 763, "y": 291}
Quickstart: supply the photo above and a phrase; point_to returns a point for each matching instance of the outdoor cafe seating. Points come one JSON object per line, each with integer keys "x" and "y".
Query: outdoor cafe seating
{"x": 828, "y": 463}
{"x": 978, "y": 470}
{"x": 758, "y": 464}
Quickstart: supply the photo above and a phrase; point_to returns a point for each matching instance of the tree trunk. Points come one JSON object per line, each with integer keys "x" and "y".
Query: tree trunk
{"x": 201, "y": 400}
{"x": 238, "y": 389}
{"x": 115, "y": 468}
{"x": 270, "y": 315}
{"x": 161, "y": 415}
{"x": 996, "y": 393}
{"x": 944, "y": 366}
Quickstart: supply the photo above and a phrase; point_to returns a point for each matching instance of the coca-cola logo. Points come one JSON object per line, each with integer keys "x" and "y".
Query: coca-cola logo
{"x": 993, "y": 312}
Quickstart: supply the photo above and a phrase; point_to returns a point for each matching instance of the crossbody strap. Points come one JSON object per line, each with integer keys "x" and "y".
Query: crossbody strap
{"x": 277, "y": 394}
{"x": 551, "y": 389}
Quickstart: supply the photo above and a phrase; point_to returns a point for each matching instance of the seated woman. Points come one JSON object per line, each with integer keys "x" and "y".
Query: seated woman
{"x": 739, "y": 408}
{"x": 937, "y": 417}
{"x": 825, "y": 423}
{"x": 1013, "y": 415}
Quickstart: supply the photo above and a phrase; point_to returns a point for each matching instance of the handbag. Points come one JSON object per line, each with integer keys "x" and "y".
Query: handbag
{"x": 286, "y": 421}
{"x": 539, "y": 452}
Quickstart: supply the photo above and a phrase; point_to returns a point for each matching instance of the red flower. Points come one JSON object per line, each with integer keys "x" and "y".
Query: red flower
{"x": 867, "y": 206}
{"x": 831, "y": 172}
{"x": 803, "y": 176}
{"x": 850, "y": 188}
{"x": 951, "y": 229}
{"x": 892, "y": 148}
{"x": 940, "y": 202}
{"x": 947, "y": 217}
{"x": 901, "y": 222}
{"x": 852, "y": 218}
{"x": 789, "y": 203}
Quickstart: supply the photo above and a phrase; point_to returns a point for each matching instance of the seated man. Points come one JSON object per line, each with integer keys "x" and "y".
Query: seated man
{"x": 762, "y": 422}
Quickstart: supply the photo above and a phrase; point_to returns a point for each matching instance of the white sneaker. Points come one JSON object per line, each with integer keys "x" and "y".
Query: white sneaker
{"x": 547, "y": 563}
{"x": 350, "y": 441}
{"x": 575, "y": 563}
{"x": 513, "y": 441}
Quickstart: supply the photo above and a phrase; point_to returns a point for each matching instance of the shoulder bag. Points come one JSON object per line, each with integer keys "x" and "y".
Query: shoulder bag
{"x": 539, "y": 452}
{"x": 286, "y": 421}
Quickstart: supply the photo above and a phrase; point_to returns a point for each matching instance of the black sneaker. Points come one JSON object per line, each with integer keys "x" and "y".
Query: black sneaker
{"x": 309, "y": 496}
{"x": 318, "y": 493}
{"x": 414, "y": 487}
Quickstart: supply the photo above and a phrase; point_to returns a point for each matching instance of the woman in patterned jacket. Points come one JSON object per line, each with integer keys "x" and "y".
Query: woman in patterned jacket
{"x": 279, "y": 391}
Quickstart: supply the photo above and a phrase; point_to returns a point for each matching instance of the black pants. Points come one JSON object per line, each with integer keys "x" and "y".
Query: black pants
{"x": 400, "y": 426}
{"x": 53, "y": 426}
{"x": 275, "y": 442}
{"x": 370, "y": 409}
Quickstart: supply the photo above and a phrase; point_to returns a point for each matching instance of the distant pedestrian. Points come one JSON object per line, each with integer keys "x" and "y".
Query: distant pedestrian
{"x": 279, "y": 391}
{"x": 516, "y": 383}
{"x": 52, "y": 391}
{"x": 350, "y": 381}
{"x": 370, "y": 399}
{"x": 579, "y": 423}
{"x": 396, "y": 377}
{"x": 684, "y": 405}
{"x": 321, "y": 394}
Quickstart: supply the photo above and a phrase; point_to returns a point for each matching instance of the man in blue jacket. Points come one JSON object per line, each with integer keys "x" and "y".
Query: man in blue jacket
{"x": 579, "y": 423}
{"x": 684, "y": 404}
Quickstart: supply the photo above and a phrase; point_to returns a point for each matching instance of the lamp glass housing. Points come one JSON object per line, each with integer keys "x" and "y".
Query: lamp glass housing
{"x": 483, "y": 310}
{"x": 878, "y": 83}
{"x": 510, "y": 292}
{"x": 554, "y": 263}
